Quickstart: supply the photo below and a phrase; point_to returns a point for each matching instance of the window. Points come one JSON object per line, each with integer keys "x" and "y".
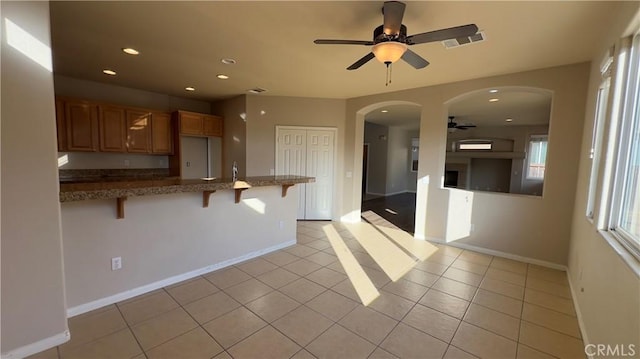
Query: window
{"x": 596, "y": 134}
{"x": 475, "y": 145}
{"x": 537, "y": 156}
{"x": 625, "y": 204}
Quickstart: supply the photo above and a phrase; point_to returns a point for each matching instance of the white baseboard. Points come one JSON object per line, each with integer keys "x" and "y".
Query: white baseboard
{"x": 376, "y": 194}
{"x": 501, "y": 254}
{"x": 87, "y": 307}
{"x": 38, "y": 346}
{"x": 581, "y": 325}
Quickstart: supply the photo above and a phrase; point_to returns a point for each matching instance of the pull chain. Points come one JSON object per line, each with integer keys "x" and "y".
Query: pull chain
{"x": 388, "y": 79}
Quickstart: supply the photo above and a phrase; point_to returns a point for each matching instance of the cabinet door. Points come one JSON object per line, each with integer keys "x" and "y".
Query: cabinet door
{"x": 81, "y": 121}
{"x": 61, "y": 128}
{"x": 212, "y": 126}
{"x": 190, "y": 124}
{"x": 161, "y": 133}
{"x": 138, "y": 131}
{"x": 113, "y": 130}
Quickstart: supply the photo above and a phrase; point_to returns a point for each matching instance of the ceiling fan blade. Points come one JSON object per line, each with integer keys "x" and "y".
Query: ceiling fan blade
{"x": 362, "y": 61}
{"x": 443, "y": 34}
{"x": 393, "y": 12}
{"x": 464, "y": 127}
{"x": 343, "y": 42}
{"x": 414, "y": 59}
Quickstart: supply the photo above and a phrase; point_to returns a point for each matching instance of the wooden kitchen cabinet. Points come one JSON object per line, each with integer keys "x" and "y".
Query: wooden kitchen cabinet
{"x": 138, "y": 131}
{"x": 113, "y": 129}
{"x": 190, "y": 123}
{"x": 197, "y": 124}
{"x": 81, "y": 126}
{"x": 212, "y": 126}
{"x": 161, "y": 133}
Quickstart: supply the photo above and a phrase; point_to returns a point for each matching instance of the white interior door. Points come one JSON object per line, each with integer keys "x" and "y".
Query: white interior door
{"x": 308, "y": 152}
{"x": 319, "y": 165}
{"x": 292, "y": 158}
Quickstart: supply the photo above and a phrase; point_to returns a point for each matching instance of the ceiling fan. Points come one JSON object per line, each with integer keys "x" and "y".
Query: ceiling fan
{"x": 453, "y": 126}
{"x": 390, "y": 40}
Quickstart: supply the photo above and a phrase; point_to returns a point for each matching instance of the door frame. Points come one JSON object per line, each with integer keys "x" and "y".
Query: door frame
{"x": 335, "y": 155}
{"x": 365, "y": 174}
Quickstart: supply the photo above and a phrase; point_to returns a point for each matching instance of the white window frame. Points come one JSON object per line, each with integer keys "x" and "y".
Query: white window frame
{"x": 533, "y": 138}
{"x": 601, "y": 111}
{"x": 475, "y": 145}
{"x": 628, "y": 121}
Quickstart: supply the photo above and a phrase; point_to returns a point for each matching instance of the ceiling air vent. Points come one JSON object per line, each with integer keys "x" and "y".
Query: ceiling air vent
{"x": 257, "y": 90}
{"x": 461, "y": 41}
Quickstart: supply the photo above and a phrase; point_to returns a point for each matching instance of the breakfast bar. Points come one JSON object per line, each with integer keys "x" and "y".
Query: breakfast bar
{"x": 122, "y": 188}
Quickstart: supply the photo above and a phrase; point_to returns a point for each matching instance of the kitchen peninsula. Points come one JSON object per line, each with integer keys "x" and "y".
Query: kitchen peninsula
{"x": 122, "y": 188}
{"x": 167, "y": 236}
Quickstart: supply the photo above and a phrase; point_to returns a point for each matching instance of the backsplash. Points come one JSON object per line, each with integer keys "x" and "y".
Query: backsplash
{"x": 98, "y": 160}
{"x": 113, "y": 173}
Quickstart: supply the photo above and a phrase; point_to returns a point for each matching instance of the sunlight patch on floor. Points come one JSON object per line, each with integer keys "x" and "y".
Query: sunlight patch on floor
{"x": 393, "y": 261}
{"x": 359, "y": 279}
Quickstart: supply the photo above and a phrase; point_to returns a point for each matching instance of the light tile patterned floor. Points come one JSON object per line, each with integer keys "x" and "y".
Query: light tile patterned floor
{"x": 299, "y": 303}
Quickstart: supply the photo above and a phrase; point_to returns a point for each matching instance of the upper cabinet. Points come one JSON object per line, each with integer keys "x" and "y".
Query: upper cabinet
{"x": 92, "y": 126}
{"x": 113, "y": 129}
{"x": 138, "y": 131}
{"x": 197, "y": 124}
{"x": 161, "y": 133}
{"x": 212, "y": 126}
{"x": 81, "y": 126}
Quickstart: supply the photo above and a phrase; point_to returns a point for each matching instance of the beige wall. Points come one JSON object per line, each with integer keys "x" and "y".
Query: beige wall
{"x": 125, "y": 96}
{"x": 33, "y": 292}
{"x": 234, "y": 146}
{"x": 606, "y": 289}
{"x": 286, "y": 111}
{"x": 537, "y": 228}
{"x": 398, "y": 160}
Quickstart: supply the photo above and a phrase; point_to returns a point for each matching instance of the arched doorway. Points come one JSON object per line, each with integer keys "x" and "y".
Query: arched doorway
{"x": 389, "y": 153}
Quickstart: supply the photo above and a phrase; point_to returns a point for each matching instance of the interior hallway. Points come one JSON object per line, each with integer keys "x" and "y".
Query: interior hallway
{"x": 299, "y": 303}
{"x": 399, "y": 209}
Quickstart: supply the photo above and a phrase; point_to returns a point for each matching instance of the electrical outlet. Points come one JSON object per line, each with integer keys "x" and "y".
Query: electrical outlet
{"x": 281, "y": 224}
{"x": 116, "y": 263}
{"x": 126, "y": 163}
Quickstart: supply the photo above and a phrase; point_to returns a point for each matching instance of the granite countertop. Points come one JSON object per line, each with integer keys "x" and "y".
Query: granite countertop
{"x": 79, "y": 189}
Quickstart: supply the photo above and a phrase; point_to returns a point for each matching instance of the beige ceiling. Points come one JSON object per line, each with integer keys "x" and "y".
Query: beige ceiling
{"x": 182, "y": 43}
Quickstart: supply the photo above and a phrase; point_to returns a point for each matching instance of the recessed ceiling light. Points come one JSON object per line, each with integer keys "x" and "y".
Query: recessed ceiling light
{"x": 189, "y": 88}
{"x": 509, "y": 120}
{"x": 130, "y": 51}
{"x": 384, "y": 111}
{"x": 493, "y": 90}
{"x": 228, "y": 61}
{"x": 109, "y": 72}
{"x": 222, "y": 76}
{"x": 494, "y": 100}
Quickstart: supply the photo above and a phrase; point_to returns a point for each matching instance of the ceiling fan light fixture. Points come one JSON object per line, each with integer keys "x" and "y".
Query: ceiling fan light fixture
{"x": 389, "y": 52}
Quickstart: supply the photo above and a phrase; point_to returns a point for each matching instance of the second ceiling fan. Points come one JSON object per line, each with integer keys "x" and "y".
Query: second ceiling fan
{"x": 390, "y": 41}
